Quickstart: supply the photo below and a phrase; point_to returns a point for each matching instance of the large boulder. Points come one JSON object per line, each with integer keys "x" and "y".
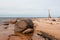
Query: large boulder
{"x": 23, "y": 29}
{"x": 24, "y": 25}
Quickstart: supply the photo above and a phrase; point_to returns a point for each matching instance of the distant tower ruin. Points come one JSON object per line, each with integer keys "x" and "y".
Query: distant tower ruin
{"x": 49, "y": 16}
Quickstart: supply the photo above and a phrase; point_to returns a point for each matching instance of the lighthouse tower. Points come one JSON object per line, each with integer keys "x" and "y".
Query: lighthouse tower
{"x": 49, "y": 16}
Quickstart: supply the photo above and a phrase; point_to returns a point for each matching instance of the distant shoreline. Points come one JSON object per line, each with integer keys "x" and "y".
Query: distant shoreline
{"x": 27, "y": 17}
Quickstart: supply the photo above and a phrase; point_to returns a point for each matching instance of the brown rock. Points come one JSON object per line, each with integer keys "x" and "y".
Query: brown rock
{"x": 23, "y": 25}
{"x": 21, "y": 36}
{"x": 47, "y": 36}
{"x": 5, "y": 23}
{"x": 29, "y": 30}
{"x": 23, "y": 29}
{"x": 13, "y": 21}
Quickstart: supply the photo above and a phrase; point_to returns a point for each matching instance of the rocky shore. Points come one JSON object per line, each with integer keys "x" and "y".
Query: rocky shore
{"x": 44, "y": 29}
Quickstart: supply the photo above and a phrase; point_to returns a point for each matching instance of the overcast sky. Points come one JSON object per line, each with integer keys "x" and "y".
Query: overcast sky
{"x": 27, "y": 8}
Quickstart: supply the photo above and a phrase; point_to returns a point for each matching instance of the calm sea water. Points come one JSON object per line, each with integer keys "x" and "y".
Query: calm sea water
{"x": 2, "y": 19}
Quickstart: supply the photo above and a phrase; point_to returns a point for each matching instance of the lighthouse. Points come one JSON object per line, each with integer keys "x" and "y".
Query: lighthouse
{"x": 49, "y": 16}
